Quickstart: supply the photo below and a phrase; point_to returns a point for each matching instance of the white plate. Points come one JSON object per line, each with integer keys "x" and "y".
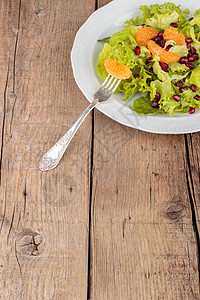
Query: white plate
{"x": 84, "y": 56}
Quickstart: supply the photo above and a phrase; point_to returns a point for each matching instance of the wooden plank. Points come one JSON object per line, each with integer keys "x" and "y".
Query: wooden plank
{"x": 193, "y": 179}
{"x": 142, "y": 238}
{"x": 43, "y": 216}
{"x": 143, "y": 244}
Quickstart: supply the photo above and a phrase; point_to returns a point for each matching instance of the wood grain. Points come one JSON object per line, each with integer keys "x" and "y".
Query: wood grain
{"x": 143, "y": 215}
{"x": 143, "y": 244}
{"x": 43, "y": 216}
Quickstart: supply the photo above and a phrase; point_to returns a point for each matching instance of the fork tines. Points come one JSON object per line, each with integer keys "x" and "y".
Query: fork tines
{"x": 110, "y": 84}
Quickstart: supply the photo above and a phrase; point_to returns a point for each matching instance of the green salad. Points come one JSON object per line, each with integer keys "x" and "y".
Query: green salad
{"x": 168, "y": 87}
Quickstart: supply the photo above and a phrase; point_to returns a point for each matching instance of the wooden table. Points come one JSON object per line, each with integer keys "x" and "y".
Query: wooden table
{"x": 118, "y": 219}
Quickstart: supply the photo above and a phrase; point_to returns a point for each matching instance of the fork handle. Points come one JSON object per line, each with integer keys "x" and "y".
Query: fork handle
{"x": 51, "y": 159}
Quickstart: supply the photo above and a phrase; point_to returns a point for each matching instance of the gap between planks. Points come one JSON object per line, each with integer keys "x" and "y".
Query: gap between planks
{"x": 90, "y": 200}
{"x": 193, "y": 204}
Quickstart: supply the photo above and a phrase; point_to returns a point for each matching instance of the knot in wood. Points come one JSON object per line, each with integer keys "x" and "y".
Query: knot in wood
{"x": 30, "y": 244}
{"x": 175, "y": 210}
{"x": 13, "y": 95}
{"x": 39, "y": 11}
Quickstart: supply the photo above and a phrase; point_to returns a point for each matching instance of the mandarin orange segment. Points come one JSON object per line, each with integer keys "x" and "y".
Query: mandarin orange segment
{"x": 117, "y": 70}
{"x": 168, "y": 57}
{"x": 164, "y": 55}
{"x": 145, "y": 34}
{"x": 173, "y": 34}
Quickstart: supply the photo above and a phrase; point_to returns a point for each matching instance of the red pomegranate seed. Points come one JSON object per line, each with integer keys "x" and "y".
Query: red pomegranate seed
{"x": 160, "y": 34}
{"x": 137, "y": 76}
{"x": 157, "y": 96}
{"x": 192, "y": 58}
{"x": 183, "y": 60}
{"x": 179, "y": 84}
{"x": 191, "y": 110}
{"x": 184, "y": 88}
{"x": 157, "y": 39}
{"x": 149, "y": 60}
{"x": 197, "y": 97}
{"x": 193, "y": 88}
{"x": 168, "y": 47}
{"x": 188, "y": 40}
{"x": 162, "y": 43}
{"x": 189, "y": 47}
{"x": 193, "y": 50}
{"x": 155, "y": 104}
{"x": 189, "y": 65}
{"x": 174, "y": 24}
{"x": 137, "y": 50}
{"x": 164, "y": 66}
{"x": 177, "y": 98}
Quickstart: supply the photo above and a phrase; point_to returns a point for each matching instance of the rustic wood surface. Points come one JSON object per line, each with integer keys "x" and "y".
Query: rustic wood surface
{"x": 118, "y": 219}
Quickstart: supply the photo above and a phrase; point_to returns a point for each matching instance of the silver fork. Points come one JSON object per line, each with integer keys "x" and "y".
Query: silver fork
{"x": 51, "y": 159}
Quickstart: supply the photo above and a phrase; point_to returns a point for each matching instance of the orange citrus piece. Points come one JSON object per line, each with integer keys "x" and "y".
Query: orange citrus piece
{"x": 165, "y": 56}
{"x": 173, "y": 34}
{"x": 117, "y": 70}
{"x": 145, "y": 34}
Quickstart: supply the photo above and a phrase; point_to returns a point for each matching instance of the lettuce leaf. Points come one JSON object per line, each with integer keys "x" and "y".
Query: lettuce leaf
{"x": 165, "y": 89}
{"x": 195, "y": 77}
{"x": 197, "y": 12}
{"x": 102, "y": 57}
{"x": 195, "y": 21}
{"x": 187, "y": 100}
{"x": 132, "y": 85}
{"x": 143, "y": 105}
{"x": 178, "y": 69}
{"x": 125, "y": 36}
{"x": 162, "y": 75}
{"x": 160, "y": 16}
{"x": 162, "y": 21}
{"x": 171, "y": 106}
{"x": 181, "y": 50}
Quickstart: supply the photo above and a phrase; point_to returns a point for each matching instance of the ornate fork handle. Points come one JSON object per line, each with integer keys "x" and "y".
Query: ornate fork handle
{"x": 51, "y": 159}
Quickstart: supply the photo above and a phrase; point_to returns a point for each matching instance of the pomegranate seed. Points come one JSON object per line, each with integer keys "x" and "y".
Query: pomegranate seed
{"x": 157, "y": 96}
{"x": 183, "y": 60}
{"x": 189, "y": 65}
{"x": 174, "y": 25}
{"x": 193, "y": 50}
{"x": 157, "y": 39}
{"x": 162, "y": 43}
{"x": 190, "y": 19}
{"x": 137, "y": 76}
{"x": 155, "y": 104}
{"x": 160, "y": 34}
{"x": 191, "y": 110}
{"x": 137, "y": 50}
{"x": 163, "y": 65}
{"x": 179, "y": 84}
{"x": 177, "y": 98}
{"x": 184, "y": 88}
{"x": 189, "y": 47}
{"x": 149, "y": 60}
{"x": 193, "y": 88}
{"x": 188, "y": 40}
{"x": 168, "y": 47}
{"x": 192, "y": 58}
{"x": 197, "y": 97}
